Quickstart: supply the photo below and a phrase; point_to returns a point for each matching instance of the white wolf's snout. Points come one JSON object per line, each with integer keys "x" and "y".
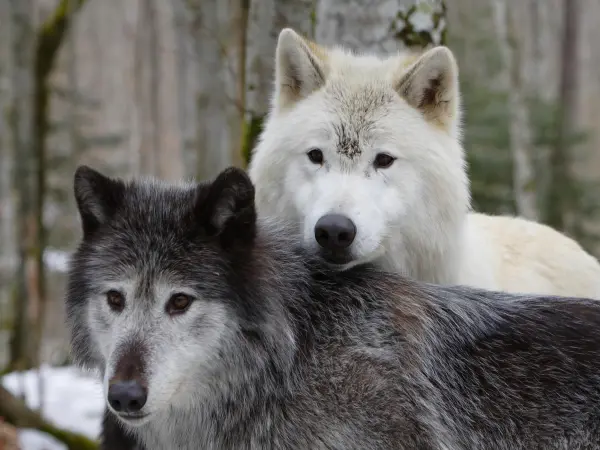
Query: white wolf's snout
{"x": 335, "y": 233}
{"x": 342, "y": 222}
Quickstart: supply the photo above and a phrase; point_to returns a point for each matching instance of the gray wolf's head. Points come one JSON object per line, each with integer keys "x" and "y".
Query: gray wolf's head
{"x": 157, "y": 289}
{"x": 363, "y": 152}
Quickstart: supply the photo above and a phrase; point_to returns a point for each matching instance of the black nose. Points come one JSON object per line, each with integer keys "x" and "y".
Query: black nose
{"x": 335, "y": 232}
{"x": 127, "y": 396}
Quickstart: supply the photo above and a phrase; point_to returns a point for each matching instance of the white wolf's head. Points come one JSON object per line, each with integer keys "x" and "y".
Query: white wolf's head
{"x": 363, "y": 152}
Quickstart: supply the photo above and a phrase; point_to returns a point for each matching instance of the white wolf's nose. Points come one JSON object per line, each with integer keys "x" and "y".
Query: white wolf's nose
{"x": 335, "y": 232}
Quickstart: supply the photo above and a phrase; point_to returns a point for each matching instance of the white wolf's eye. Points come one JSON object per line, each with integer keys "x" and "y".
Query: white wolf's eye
{"x": 178, "y": 303}
{"x": 383, "y": 161}
{"x": 115, "y": 300}
{"x": 315, "y": 156}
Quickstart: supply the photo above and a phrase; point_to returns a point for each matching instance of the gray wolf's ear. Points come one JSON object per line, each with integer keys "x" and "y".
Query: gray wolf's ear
{"x": 226, "y": 207}
{"x": 97, "y": 197}
{"x": 431, "y": 86}
{"x": 300, "y": 68}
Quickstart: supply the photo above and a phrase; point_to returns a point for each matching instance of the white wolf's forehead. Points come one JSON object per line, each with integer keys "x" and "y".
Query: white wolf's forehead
{"x": 356, "y": 114}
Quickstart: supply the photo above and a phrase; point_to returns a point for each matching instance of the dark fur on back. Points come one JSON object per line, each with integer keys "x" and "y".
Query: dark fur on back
{"x": 312, "y": 358}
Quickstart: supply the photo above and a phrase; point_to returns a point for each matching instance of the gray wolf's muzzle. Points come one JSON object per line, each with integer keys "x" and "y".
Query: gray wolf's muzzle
{"x": 127, "y": 397}
{"x": 127, "y": 388}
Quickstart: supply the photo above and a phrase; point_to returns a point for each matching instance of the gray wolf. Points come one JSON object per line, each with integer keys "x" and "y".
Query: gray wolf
{"x": 213, "y": 329}
{"x": 364, "y": 154}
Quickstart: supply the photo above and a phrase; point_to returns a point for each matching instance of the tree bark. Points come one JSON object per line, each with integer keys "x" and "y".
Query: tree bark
{"x": 524, "y": 182}
{"x": 22, "y": 51}
{"x": 561, "y": 198}
{"x": 265, "y": 19}
{"x": 219, "y": 29}
{"x": 8, "y": 249}
{"x": 18, "y": 414}
{"x": 49, "y": 39}
{"x": 9, "y": 438}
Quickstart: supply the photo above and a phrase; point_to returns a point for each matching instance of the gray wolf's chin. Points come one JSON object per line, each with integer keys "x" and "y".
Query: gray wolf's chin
{"x": 133, "y": 420}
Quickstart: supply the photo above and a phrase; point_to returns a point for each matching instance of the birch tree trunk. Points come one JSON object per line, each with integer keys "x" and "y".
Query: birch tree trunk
{"x": 381, "y": 26}
{"x": 266, "y": 19}
{"x": 7, "y": 213}
{"x": 48, "y": 40}
{"x": 22, "y": 51}
{"x": 524, "y": 180}
{"x": 561, "y": 185}
{"x": 147, "y": 85}
{"x": 219, "y": 32}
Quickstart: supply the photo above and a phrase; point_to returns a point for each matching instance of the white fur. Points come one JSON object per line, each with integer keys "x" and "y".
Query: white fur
{"x": 413, "y": 217}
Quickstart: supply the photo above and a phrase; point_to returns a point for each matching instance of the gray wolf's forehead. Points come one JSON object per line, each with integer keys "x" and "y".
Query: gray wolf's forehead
{"x": 153, "y": 261}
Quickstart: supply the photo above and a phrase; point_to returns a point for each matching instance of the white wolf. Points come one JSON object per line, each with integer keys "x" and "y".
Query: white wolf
{"x": 365, "y": 154}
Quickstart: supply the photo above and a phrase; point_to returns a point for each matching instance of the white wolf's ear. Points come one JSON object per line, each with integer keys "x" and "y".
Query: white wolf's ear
{"x": 300, "y": 68}
{"x": 226, "y": 207}
{"x": 431, "y": 85}
{"x": 97, "y": 197}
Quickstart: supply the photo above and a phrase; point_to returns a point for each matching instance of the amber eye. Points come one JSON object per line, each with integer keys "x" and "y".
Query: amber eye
{"x": 178, "y": 303}
{"x": 115, "y": 300}
{"x": 383, "y": 161}
{"x": 315, "y": 156}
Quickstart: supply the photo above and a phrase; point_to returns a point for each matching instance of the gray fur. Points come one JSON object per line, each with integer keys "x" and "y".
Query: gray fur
{"x": 280, "y": 352}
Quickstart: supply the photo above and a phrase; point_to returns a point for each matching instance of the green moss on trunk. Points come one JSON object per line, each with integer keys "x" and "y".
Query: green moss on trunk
{"x": 48, "y": 42}
{"x": 250, "y": 132}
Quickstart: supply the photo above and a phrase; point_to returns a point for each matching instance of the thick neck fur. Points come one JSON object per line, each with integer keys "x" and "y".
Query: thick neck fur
{"x": 269, "y": 364}
{"x": 258, "y": 362}
{"x": 362, "y": 359}
{"x": 434, "y": 257}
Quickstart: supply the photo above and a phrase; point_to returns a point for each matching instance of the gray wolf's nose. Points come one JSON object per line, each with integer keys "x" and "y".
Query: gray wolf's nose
{"x": 127, "y": 396}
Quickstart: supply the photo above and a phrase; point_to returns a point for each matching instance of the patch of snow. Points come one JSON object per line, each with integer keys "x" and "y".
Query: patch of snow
{"x": 56, "y": 260}
{"x": 30, "y": 439}
{"x": 73, "y": 399}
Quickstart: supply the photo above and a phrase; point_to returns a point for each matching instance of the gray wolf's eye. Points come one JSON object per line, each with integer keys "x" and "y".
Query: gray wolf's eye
{"x": 115, "y": 300}
{"x": 315, "y": 156}
{"x": 383, "y": 161}
{"x": 178, "y": 303}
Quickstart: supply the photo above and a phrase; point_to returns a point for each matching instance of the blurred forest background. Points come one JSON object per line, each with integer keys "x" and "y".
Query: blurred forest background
{"x": 178, "y": 88}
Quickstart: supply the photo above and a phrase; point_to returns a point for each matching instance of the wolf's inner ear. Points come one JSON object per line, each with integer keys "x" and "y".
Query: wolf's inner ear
{"x": 97, "y": 197}
{"x": 225, "y": 208}
{"x": 300, "y": 68}
{"x": 431, "y": 85}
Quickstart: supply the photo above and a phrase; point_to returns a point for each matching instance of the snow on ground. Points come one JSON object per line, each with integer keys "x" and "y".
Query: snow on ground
{"x": 73, "y": 400}
{"x": 35, "y": 440}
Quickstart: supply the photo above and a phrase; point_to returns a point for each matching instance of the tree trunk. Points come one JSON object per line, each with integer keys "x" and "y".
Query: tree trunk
{"x": 266, "y": 18}
{"x": 524, "y": 182}
{"x": 18, "y": 414}
{"x": 147, "y": 84}
{"x": 22, "y": 49}
{"x": 49, "y": 39}
{"x": 8, "y": 249}
{"x": 219, "y": 29}
{"x": 381, "y": 26}
{"x": 561, "y": 190}
{"x": 9, "y": 438}
{"x": 155, "y": 138}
